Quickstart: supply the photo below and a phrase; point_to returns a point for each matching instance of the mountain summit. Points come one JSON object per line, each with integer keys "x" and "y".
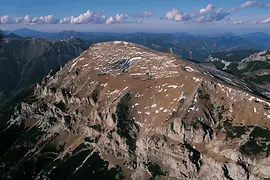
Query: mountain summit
{"x": 122, "y": 111}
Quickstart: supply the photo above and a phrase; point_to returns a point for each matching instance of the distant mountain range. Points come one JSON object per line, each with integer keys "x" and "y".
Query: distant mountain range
{"x": 185, "y": 44}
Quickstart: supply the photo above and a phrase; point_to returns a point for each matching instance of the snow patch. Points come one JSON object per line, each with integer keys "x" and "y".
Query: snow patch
{"x": 117, "y": 42}
{"x": 255, "y": 110}
{"x": 147, "y": 113}
{"x": 173, "y": 86}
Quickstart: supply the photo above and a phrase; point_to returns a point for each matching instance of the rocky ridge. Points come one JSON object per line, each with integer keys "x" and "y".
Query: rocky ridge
{"x": 254, "y": 68}
{"x": 122, "y": 111}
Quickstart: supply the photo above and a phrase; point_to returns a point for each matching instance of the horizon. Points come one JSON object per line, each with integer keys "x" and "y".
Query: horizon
{"x": 208, "y": 16}
{"x": 116, "y": 32}
{"x": 196, "y": 33}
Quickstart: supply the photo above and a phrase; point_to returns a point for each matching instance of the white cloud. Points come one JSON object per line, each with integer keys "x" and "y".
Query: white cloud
{"x": 255, "y": 4}
{"x": 110, "y": 20}
{"x": 6, "y": 20}
{"x": 18, "y": 20}
{"x": 248, "y": 4}
{"x": 88, "y": 17}
{"x": 208, "y": 14}
{"x": 211, "y": 13}
{"x": 208, "y": 9}
{"x": 119, "y": 18}
{"x": 65, "y": 20}
{"x": 177, "y": 15}
{"x": 266, "y": 21}
{"x": 170, "y": 15}
{"x": 27, "y": 19}
{"x": 255, "y": 22}
{"x": 145, "y": 14}
{"x": 50, "y": 19}
{"x": 237, "y": 22}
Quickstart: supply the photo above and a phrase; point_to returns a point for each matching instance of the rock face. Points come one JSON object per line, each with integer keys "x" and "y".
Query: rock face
{"x": 254, "y": 68}
{"x": 121, "y": 111}
{"x": 260, "y": 56}
{"x": 25, "y": 61}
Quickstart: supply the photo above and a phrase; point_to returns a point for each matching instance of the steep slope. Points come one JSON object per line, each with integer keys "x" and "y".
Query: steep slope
{"x": 254, "y": 67}
{"x": 25, "y": 61}
{"x": 234, "y": 56}
{"x": 121, "y": 111}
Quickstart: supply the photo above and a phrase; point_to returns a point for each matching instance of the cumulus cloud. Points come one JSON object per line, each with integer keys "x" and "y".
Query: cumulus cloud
{"x": 237, "y": 22}
{"x": 255, "y": 4}
{"x": 50, "y": 19}
{"x": 177, "y": 15}
{"x": 207, "y": 14}
{"x": 208, "y": 9}
{"x": 88, "y": 17}
{"x": 27, "y": 19}
{"x": 6, "y": 20}
{"x": 210, "y": 13}
{"x": 145, "y": 14}
{"x": 266, "y": 21}
{"x": 110, "y": 20}
{"x": 119, "y": 18}
{"x": 248, "y": 4}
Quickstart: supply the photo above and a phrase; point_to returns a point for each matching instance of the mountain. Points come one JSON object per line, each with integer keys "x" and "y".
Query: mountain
{"x": 25, "y": 61}
{"x": 5, "y": 32}
{"x": 256, "y": 35}
{"x": 11, "y": 36}
{"x": 182, "y": 44}
{"x": 254, "y": 67}
{"x": 123, "y": 111}
{"x": 258, "y": 38}
{"x": 226, "y": 34}
{"x": 234, "y": 56}
{"x": 25, "y": 32}
{"x": 188, "y": 46}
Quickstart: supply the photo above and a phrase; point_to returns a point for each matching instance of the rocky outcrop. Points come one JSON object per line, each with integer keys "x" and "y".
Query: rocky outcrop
{"x": 260, "y": 56}
{"x": 254, "y": 68}
{"x": 121, "y": 111}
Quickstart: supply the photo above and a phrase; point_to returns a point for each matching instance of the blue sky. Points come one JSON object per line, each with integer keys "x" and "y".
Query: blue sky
{"x": 137, "y": 15}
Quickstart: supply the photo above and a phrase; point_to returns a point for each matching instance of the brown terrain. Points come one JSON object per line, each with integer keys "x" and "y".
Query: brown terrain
{"x": 150, "y": 114}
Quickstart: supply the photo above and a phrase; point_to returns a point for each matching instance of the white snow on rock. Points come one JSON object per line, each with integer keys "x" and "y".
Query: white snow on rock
{"x": 117, "y": 42}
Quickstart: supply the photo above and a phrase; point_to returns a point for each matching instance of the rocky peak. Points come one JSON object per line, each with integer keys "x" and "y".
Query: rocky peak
{"x": 260, "y": 56}
{"x": 122, "y": 111}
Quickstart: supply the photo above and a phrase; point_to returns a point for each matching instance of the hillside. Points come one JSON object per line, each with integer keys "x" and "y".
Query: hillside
{"x": 254, "y": 67}
{"x": 123, "y": 111}
{"x": 25, "y": 61}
